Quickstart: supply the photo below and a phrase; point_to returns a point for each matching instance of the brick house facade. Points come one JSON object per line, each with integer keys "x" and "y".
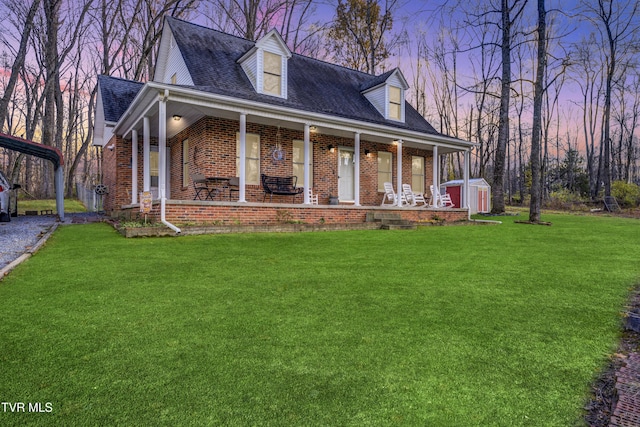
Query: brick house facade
{"x": 210, "y": 96}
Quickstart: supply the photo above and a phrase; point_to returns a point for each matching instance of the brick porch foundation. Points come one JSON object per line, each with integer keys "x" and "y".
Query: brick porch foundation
{"x": 233, "y": 213}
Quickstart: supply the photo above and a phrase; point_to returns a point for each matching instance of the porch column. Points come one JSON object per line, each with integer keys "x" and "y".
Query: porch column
{"x": 436, "y": 182}
{"x": 356, "y": 169}
{"x": 162, "y": 147}
{"x": 399, "y": 177}
{"x": 134, "y": 166}
{"x": 243, "y": 158}
{"x": 307, "y": 158}
{"x": 465, "y": 193}
{"x": 146, "y": 159}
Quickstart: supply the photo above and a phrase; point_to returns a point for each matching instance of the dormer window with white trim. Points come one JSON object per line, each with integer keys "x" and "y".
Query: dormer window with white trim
{"x": 395, "y": 103}
{"x": 265, "y": 64}
{"x": 272, "y": 74}
{"x": 386, "y": 94}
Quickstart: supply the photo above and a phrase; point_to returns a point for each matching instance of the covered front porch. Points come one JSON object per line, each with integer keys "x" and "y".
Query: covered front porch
{"x": 337, "y": 159}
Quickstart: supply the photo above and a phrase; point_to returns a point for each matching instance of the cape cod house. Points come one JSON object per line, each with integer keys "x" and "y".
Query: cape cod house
{"x": 222, "y": 106}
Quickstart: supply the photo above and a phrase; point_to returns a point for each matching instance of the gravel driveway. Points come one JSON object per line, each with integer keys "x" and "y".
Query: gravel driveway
{"x": 21, "y": 234}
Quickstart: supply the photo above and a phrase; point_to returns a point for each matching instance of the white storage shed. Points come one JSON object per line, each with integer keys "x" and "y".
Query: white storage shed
{"x": 479, "y": 194}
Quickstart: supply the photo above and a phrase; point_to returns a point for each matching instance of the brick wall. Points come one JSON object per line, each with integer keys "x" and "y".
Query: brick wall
{"x": 212, "y": 152}
{"x": 197, "y": 212}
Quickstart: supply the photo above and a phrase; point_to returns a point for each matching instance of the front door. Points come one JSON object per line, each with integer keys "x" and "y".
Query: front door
{"x": 346, "y": 191}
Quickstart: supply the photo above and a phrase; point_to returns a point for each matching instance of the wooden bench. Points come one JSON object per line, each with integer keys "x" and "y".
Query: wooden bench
{"x": 280, "y": 185}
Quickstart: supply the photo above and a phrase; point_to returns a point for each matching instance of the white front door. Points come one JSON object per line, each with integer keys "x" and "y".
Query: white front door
{"x": 346, "y": 191}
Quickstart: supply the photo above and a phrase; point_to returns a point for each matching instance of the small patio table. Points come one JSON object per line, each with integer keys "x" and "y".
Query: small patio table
{"x": 219, "y": 185}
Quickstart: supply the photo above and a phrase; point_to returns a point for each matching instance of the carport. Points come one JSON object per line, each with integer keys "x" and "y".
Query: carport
{"x": 44, "y": 152}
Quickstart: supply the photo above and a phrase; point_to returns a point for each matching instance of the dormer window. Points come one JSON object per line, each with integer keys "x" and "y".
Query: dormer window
{"x": 265, "y": 64}
{"x": 395, "y": 103}
{"x": 272, "y": 74}
{"x": 386, "y": 94}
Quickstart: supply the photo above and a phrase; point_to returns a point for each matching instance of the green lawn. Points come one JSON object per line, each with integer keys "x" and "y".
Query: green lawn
{"x": 70, "y": 205}
{"x": 445, "y": 326}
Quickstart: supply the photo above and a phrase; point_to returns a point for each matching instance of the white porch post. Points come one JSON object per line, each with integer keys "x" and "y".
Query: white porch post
{"x": 465, "y": 194}
{"x": 307, "y": 158}
{"x": 162, "y": 147}
{"x": 243, "y": 158}
{"x": 436, "y": 182}
{"x": 134, "y": 166}
{"x": 146, "y": 159}
{"x": 399, "y": 177}
{"x": 356, "y": 169}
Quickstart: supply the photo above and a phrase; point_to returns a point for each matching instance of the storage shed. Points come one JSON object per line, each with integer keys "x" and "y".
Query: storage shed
{"x": 479, "y": 194}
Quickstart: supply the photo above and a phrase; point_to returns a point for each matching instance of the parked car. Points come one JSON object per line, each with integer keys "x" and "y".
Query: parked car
{"x": 5, "y": 199}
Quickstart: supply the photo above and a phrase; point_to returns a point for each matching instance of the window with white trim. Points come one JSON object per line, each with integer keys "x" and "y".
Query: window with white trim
{"x": 272, "y": 74}
{"x": 417, "y": 174}
{"x": 185, "y": 163}
{"x": 385, "y": 169}
{"x": 252, "y": 158}
{"x": 395, "y": 103}
{"x": 154, "y": 165}
{"x": 298, "y": 162}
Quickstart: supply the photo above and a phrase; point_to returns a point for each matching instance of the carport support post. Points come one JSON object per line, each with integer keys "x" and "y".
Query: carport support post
{"x": 59, "y": 183}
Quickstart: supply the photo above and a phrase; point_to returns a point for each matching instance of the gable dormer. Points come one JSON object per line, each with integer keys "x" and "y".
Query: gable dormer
{"x": 170, "y": 65}
{"x": 265, "y": 65}
{"x": 387, "y": 93}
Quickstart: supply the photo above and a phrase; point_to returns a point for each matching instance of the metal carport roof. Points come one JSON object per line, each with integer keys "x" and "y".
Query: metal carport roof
{"x": 44, "y": 152}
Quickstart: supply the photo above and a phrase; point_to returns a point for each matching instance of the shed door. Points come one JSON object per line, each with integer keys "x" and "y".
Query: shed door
{"x": 483, "y": 199}
{"x": 454, "y": 192}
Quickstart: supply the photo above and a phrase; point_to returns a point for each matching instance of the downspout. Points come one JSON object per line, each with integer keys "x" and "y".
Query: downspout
{"x": 162, "y": 140}
{"x": 163, "y": 218}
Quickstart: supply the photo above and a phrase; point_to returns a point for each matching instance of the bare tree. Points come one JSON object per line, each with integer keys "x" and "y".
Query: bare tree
{"x": 18, "y": 63}
{"x": 358, "y": 37}
{"x": 617, "y": 25}
{"x": 536, "y": 184}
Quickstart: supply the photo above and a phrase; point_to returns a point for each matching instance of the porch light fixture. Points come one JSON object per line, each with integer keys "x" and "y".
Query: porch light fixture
{"x": 313, "y": 128}
{"x": 367, "y": 153}
{"x": 331, "y": 148}
{"x": 177, "y": 118}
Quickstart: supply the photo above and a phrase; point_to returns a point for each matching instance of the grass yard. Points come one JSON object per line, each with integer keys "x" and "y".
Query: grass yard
{"x": 445, "y": 326}
{"x": 70, "y": 205}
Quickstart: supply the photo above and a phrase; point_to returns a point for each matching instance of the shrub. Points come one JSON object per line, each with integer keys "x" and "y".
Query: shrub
{"x": 626, "y": 194}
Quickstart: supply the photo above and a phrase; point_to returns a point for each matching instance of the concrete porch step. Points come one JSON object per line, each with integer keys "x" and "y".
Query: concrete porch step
{"x": 390, "y": 221}
{"x": 408, "y": 226}
{"x": 379, "y": 216}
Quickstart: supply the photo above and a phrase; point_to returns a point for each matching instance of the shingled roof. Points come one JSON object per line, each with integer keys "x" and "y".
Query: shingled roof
{"x": 313, "y": 85}
{"x": 117, "y": 95}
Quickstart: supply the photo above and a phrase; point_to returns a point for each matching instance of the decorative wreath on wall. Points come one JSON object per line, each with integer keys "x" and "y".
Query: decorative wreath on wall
{"x": 277, "y": 153}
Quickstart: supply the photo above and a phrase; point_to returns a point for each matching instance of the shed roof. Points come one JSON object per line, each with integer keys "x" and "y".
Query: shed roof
{"x": 472, "y": 181}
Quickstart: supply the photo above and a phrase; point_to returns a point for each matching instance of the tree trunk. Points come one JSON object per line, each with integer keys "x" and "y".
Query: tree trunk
{"x": 497, "y": 190}
{"x": 536, "y": 176}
